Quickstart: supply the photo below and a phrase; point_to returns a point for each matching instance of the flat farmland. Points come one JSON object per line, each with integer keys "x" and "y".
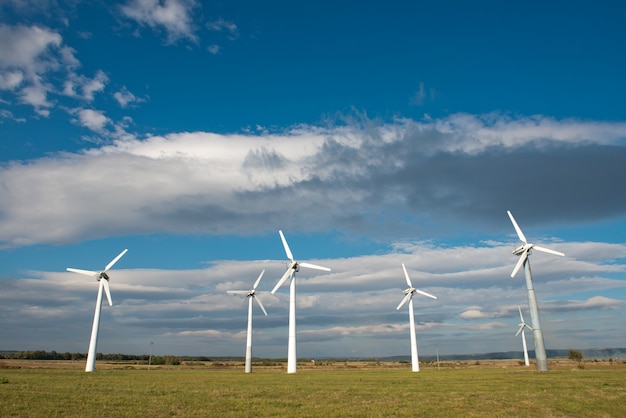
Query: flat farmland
{"x": 350, "y": 389}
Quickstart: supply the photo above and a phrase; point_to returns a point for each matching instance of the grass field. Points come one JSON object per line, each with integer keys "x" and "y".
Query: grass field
{"x": 55, "y": 389}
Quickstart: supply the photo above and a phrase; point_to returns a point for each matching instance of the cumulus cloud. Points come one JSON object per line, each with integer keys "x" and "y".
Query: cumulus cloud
{"x": 85, "y": 88}
{"x": 27, "y": 55}
{"x": 35, "y": 66}
{"x": 593, "y": 303}
{"x": 175, "y": 17}
{"x": 222, "y": 25}
{"x": 478, "y": 313}
{"x": 10, "y": 79}
{"x": 92, "y": 119}
{"x": 184, "y": 310}
{"x": 403, "y": 179}
{"x": 125, "y": 98}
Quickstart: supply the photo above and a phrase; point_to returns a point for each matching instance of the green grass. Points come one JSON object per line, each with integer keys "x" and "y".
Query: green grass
{"x": 378, "y": 392}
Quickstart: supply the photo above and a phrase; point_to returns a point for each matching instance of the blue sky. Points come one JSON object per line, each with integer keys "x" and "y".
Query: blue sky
{"x": 372, "y": 133}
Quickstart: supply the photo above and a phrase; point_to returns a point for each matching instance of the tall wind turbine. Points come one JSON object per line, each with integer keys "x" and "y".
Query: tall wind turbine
{"x": 523, "y": 325}
{"x": 293, "y": 267}
{"x": 523, "y": 251}
{"x": 103, "y": 278}
{"x": 409, "y": 297}
{"x": 251, "y": 294}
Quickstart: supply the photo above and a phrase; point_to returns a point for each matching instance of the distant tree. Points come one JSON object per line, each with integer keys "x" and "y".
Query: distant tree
{"x": 172, "y": 360}
{"x": 575, "y": 355}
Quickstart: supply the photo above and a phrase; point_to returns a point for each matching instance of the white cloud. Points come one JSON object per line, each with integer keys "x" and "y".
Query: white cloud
{"x": 173, "y": 16}
{"x": 231, "y": 181}
{"x": 28, "y": 47}
{"x": 83, "y": 87}
{"x": 182, "y": 308}
{"x": 124, "y": 97}
{"x": 92, "y": 119}
{"x": 221, "y": 25}
{"x": 593, "y": 303}
{"x": 10, "y": 79}
{"x": 5, "y": 114}
{"x": 95, "y": 85}
{"x": 36, "y": 96}
{"x": 30, "y": 58}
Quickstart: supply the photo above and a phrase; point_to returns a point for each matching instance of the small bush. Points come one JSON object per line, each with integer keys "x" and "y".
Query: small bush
{"x": 575, "y": 355}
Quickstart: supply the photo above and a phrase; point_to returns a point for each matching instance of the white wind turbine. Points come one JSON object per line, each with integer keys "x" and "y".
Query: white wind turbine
{"x": 251, "y": 294}
{"x": 523, "y": 325}
{"x": 409, "y": 297}
{"x": 103, "y": 278}
{"x": 293, "y": 267}
{"x": 523, "y": 251}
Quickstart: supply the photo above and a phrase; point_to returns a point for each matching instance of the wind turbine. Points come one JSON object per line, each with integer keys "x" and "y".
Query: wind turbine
{"x": 250, "y": 294}
{"x": 409, "y": 297}
{"x": 293, "y": 267}
{"x": 103, "y": 278}
{"x": 523, "y": 251}
{"x": 523, "y": 325}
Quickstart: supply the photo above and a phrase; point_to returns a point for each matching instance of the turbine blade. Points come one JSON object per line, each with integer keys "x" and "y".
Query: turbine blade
{"x": 107, "y": 290}
{"x": 313, "y": 266}
{"x": 406, "y": 275}
{"x": 405, "y": 300}
{"x": 108, "y": 267}
{"x": 520, "y": 314}
{"x": 425, "y": 294}
{"x": 287, "y": 274}
{"x": 287, "y": 250}
{"x": 260, "y": 304}
{"x": 521, "y": 328}
{"x": 547, "y": 250}
{"x": 521, "y": 260}
{"x": 85, "y": 272}
{"x": 520, "y": 234}
{"x": 258, "y": 280}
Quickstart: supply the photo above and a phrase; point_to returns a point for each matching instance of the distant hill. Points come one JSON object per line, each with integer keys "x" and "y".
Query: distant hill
{"x": 590, "y": 354}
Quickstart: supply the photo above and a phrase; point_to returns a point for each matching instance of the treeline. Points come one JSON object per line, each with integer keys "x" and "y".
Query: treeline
{"x": 145, "y": 358}
{"x": 42, "y": 355}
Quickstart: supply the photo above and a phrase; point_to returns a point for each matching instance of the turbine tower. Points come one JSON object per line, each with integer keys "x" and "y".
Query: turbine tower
{"x": 409, "y": 297}
{"x": 250, "y": 294}
{"x": 103, "y": 278}
{"x": 293, "y": 267}
{"x": 523, "y": 325}
{"x": 524, "y": 251}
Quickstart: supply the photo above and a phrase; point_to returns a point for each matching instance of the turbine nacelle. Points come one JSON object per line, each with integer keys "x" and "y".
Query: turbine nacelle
{"x": 523, "y": 251}
{"x": 99, "y": 275}
{"x": 251, "y": 293}
{"x": 411, "y": 290}
{"x": 522, "y": 248}
{"x": 294, "y": 266}
{"x": 522, "y": 324}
